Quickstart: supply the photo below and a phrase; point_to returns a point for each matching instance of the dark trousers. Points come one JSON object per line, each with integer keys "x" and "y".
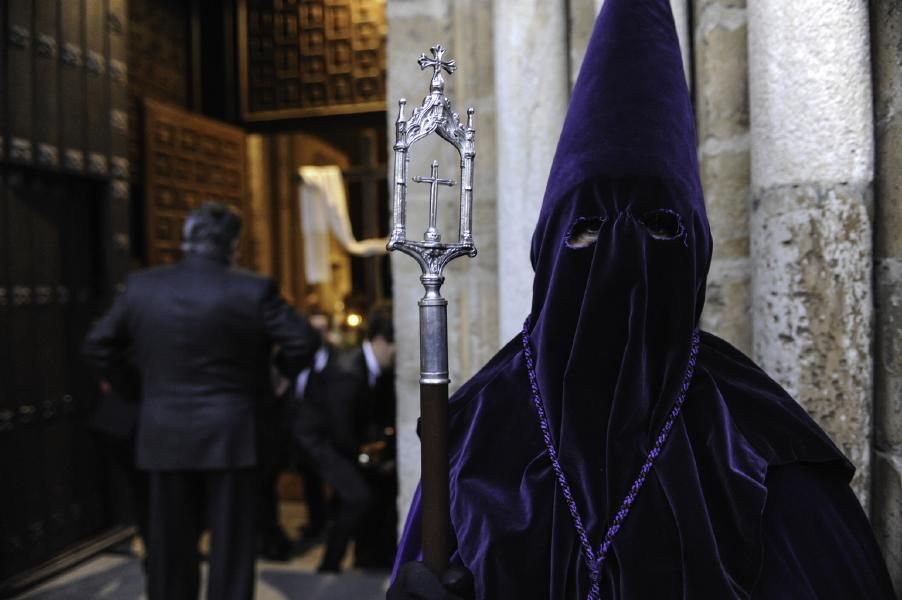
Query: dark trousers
{"x": 182, "y": 504}
{"x": 353, "y": 499}
{"x": 272, "y": 456}
{"x": 313, "y": 495}
{"x": 374, "y": 539}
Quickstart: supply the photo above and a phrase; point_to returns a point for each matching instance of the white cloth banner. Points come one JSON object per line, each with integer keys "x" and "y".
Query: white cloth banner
{"x": 324, "y": 210}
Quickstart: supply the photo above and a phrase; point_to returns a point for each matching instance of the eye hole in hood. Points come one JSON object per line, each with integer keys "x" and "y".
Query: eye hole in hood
{"x": 663, "y": 224}
{"x": 584, "y": 232}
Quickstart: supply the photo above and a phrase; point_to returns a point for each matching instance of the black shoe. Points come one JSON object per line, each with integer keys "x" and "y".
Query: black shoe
{"x": 277, "y": 550}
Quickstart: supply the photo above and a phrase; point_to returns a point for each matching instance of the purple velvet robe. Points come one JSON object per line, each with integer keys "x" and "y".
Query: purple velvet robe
{"x": 748, "y": 498}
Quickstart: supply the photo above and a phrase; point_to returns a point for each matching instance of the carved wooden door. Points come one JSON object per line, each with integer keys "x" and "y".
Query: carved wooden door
{"x": 188, "y": 159}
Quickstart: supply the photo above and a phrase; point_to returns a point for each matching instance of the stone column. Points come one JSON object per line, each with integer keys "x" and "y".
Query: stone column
{"x": 464, "y": 27}
{"x": 811, "y": 215}
{"x": 722, "y": 113}
{"x": 532, "y": 85}
{"x": 886, "y": 514}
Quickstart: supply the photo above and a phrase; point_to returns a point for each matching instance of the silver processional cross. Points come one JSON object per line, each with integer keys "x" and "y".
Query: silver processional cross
{"x": 434, "y": 116}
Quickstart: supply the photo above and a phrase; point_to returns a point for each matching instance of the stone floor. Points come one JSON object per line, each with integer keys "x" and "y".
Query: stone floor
{"x": 118, "y": 576}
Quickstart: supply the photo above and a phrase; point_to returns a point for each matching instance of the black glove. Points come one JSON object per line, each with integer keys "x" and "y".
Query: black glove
{"x": 416, "y": 582}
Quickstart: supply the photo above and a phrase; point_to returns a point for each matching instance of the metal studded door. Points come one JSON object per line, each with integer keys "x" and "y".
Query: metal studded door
{"x": 64, "y": 247}
{"x": 50, "y": 290}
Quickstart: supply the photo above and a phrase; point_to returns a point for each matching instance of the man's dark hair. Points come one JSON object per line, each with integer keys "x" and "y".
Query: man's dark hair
{"x": 211, "y": 229}
{"x": 379, "y": 322}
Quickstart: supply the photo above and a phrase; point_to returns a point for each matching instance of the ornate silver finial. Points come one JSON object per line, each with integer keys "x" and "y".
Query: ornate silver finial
{"x": 434, "y": 116}
{"x": 436, "y": 62}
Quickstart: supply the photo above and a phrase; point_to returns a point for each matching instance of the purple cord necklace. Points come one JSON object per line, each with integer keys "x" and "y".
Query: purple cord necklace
{"x": 595, "y": 560}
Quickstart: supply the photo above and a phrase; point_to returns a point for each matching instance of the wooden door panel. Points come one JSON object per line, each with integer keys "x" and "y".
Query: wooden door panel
{"x": 189, "y": 159}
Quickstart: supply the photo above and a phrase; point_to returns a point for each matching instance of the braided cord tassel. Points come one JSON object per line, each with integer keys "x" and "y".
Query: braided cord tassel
{"x": 595, "y": 561}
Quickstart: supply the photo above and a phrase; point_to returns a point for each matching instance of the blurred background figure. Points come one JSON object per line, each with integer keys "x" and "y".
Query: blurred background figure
{"x": 345, "y": 423}
{"x": 201, "y": 334}
{"x": 274, "y": 453}
{"x": 311, "y": 381}
{"x": 375, "y": 539}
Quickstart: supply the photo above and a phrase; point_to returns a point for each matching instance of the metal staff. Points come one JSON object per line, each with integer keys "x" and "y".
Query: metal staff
{"x": 434, "y": 116}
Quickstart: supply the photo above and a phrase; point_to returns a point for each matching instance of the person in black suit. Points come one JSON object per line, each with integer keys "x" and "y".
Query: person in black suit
{"x": 339, "y": 425}
{"x": 201, "y": 334}
{"x": 311, "y": 379}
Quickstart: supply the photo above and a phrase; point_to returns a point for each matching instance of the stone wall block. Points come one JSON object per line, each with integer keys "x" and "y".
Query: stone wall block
{"x": 810, "y": 91}
{"x": 722, "y": 113}
{"x": 725, "y": 176}
{"x": 721, "y": 79}
{"x": 886, "y": 22}
{"x": 811, "y": 299}
{"x": 888, "y": 185}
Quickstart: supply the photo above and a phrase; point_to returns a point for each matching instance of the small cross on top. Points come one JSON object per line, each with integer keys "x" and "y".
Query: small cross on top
{"x": 436, "y": 62}
{"x": 432, "y": 233}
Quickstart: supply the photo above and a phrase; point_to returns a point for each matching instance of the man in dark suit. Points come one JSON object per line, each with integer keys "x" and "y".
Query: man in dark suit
{"x": 201, "y": 334}
{"x": 343, "y": 425}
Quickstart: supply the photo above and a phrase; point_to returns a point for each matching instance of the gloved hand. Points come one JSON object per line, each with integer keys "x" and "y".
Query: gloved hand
{"x": 416, "y": 582}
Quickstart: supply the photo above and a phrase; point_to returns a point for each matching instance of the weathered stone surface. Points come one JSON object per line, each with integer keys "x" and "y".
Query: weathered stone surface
{"x": 886, "y": 48}
{"x": 725, "y": 177}
{"x": 812, "y": 141}
{"x": 810, "y": 88}
{"x": 812, "y": 307}
{"x": 886, "y": 22}
{"x": 888, "y": 367}
{"x": 886, "y": 516}
{"x": 722, "y": 114}
{"x": 532, "y": 86}
{"x": 728, "y": 305}
{"x": 721, "y": 74}
{"x": 888, "y": 184}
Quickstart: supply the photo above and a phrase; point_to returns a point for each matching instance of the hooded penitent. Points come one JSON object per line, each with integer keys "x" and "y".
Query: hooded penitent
{"x": 612, "y": 450}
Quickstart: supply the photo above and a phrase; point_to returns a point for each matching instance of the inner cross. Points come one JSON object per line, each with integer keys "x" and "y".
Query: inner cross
{"x": 432, "y": 234}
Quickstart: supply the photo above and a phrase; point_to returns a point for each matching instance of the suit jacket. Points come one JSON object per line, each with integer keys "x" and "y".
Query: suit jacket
{"x": 340, "y": 408}
{"x": 201, "y": 335}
